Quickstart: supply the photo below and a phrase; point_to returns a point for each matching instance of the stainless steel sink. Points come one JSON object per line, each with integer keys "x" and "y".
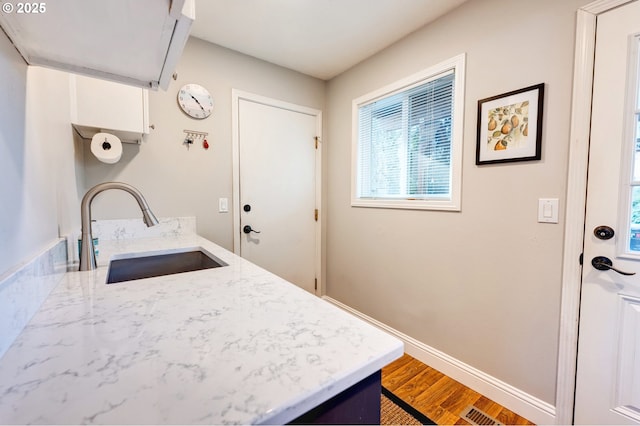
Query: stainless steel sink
{"x": 135, "y": 268}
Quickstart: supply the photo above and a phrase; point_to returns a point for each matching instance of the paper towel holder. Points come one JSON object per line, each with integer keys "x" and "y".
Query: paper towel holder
{"x": 126, "y": 137}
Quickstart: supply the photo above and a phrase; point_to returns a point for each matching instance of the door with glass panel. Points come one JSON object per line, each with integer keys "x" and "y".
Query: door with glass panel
{"x": 608, "y": 371}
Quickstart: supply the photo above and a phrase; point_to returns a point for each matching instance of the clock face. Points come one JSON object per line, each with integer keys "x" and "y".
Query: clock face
{"x": 195, "y": 101}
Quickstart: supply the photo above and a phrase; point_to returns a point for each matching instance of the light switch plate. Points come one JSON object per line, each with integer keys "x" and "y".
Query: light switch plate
{"x": 548, "y": 210}
{"x": 223, "y": 205}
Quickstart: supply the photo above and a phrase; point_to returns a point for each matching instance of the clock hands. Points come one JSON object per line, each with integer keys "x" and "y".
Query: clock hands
{"x": 198, "y": 102}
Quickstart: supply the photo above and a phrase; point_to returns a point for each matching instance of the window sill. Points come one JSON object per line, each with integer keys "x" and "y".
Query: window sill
{"x": 408, "y": 204}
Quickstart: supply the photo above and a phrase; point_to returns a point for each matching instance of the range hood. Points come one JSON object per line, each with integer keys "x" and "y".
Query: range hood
{"x": 136, "y": 42}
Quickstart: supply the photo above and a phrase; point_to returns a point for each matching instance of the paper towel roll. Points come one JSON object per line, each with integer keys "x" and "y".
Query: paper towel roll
{"x": 106, "y": 147}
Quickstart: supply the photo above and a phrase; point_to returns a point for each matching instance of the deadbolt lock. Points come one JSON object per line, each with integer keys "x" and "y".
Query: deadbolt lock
{"x": 604, "y": 232}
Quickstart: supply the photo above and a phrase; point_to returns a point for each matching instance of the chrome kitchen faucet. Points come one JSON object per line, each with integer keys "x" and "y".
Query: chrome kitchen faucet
{"x": 87, "y": 253}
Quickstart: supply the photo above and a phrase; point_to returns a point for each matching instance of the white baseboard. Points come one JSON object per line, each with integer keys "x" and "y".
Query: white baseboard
{"x": 514, "y": 399}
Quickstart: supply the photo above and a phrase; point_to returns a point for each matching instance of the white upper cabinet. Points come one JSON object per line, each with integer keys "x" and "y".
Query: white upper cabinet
{"x": 98, "y": 105}
{"x": 137, "y": 42}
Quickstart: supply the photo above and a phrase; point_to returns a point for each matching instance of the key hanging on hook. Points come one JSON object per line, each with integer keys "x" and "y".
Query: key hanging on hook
{"x": 188, "y": 140}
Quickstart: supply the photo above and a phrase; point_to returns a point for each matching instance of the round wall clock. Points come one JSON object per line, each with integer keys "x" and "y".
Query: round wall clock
{"x": 195, "y": 101}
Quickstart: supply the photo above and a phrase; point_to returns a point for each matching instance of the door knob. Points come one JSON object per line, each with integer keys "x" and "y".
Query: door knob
{"x": 247, "y": 229}
{"x": 246, "y": 208}
{"x": 603, "y": 263}
{"x": 604, "y": 232}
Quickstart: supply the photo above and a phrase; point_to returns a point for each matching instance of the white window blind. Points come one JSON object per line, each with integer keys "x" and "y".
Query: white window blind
{"x": 405, "y": 142}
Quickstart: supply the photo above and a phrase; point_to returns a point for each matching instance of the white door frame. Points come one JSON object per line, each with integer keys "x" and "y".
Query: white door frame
{"x": 576, "y": 201}
{"x": 236, "y": 96}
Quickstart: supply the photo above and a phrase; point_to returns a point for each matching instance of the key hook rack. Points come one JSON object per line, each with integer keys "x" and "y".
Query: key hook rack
{"x": 192, "y": 135}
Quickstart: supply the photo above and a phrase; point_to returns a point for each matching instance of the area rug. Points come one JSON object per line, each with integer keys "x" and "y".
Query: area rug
{"x": 394, "y": 411}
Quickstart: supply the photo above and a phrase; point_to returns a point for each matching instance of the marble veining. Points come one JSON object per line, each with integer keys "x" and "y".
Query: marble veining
{"x": 230, "y": 345}
{"x": 25, "y": 288}
{"x": 126, "y": 229}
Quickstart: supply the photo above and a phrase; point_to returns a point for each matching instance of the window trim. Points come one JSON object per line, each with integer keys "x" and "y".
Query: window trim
{"x": 455, "y": 64}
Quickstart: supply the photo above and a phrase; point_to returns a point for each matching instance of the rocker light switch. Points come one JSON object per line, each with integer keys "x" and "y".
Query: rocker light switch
{"x": 223, "y": 205}
{"x": 548, "y": 210}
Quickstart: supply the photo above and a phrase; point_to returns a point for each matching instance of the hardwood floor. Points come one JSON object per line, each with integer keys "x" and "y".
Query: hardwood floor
{"x": 439, "y": 397}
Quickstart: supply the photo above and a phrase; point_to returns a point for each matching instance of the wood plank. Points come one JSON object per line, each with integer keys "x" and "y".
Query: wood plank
{"x": 433, "y": 412}
{"x": 507, "y": 417}
{"x": 400, "y": 362}
{"x": 462, "y": 421}
{"x": 422, "y": 382}
{"x": 522, "y": 421}
{"x": 460, "y": 399}
{"x": 437, "y": 396}
{"x": 446, "y": 417}
{"x": 403, "y": 374}
{"x": 437, "y": 393}
{"x": 418, "y": 385}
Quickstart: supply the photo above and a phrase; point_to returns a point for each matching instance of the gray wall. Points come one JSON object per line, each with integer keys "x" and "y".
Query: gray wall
{"x": 38, "y": 165}
{"x": 12, "y": 157}
{"x": 177, "y": 181}
{"x": 482, "y": 285}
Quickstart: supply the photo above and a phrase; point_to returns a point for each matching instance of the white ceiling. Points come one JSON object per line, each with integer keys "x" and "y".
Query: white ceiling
{"x": 321, "y": 38}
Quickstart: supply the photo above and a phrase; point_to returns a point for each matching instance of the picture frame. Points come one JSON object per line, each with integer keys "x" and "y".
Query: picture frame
{"x": 510, "y": 126}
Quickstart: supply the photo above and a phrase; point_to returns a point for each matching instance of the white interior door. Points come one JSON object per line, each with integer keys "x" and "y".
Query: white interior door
{"x": 608, "y": 368}
{"x": 278, "y": 189}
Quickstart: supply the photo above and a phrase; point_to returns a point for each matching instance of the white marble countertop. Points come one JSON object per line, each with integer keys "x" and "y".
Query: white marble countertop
{"x": 230, "y": 345}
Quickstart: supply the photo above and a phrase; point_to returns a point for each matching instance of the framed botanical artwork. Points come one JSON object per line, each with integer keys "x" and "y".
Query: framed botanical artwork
{"x": 510, "y": 126}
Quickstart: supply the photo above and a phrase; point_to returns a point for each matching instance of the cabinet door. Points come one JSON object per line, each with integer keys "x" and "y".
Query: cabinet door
{"x": 105, "y": 105}
{"x": 137, "y": 42}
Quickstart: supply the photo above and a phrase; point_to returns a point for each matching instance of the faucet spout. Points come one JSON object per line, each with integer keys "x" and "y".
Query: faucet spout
{"x": 87, "y": 253}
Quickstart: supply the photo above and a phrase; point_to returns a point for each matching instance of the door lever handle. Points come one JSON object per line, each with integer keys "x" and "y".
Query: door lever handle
{"x": 247, "y": 229}
{"x": 602, "y": 263}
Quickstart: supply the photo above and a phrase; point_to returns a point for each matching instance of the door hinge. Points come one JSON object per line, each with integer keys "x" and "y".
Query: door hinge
{"x": 315, "y": 285}
{"x": 317, "y": 140}
{"x": 315, "y": 214}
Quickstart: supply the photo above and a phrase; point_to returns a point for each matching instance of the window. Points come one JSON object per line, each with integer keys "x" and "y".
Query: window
{"x": 632, "y": 244}
{"x": 407, "y": 141}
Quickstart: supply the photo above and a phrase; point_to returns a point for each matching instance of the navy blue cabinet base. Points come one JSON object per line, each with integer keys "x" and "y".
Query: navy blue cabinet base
{"x": 360, "y": 404}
